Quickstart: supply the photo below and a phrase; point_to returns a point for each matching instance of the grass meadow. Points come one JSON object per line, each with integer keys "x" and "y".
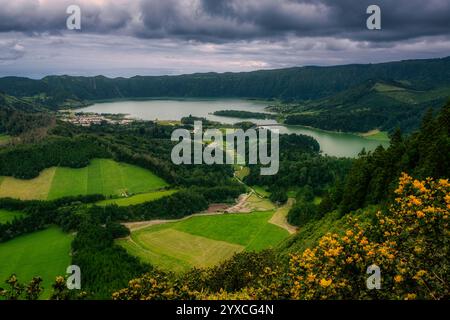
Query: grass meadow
{"x": 43, "y": 253}
{"x": 203, "y": 241}
{"x": 102, "y": 176}
{"x": 137, "y": 199}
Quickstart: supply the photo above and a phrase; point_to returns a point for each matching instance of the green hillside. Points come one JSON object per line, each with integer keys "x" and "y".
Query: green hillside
{"x": 102, "y": 176}
{"x": 349, "y": 97}
{"x": 43, "y": 253}
{"x": 373, "y": 105}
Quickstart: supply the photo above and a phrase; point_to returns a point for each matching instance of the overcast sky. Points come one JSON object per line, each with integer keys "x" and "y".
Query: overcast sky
{"x": 154, "y": 37}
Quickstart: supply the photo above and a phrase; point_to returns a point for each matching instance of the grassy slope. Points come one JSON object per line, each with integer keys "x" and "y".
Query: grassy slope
{"x": 43, "y": 253}
{"x": 101, "y": 176}
{"x": 139, "y": 198}
{"x": 104, "y": 177}
{"x": 180, "y": 245}
{"x": 175, "y": 250}
{"x": 376, "y": 135}
{"x": 261, "y": 191}
{"x": 310, "y": 233}
{"x": 6, "y": 216}
{"x": 36, "y": 188}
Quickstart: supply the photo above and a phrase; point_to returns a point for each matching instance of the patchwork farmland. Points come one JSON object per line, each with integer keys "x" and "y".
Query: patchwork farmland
{"x": 203, "y": 241}
{"x": 102, "y": 176}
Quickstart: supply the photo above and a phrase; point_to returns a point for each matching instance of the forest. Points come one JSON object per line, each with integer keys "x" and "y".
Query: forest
{"x": 244, "y": 114}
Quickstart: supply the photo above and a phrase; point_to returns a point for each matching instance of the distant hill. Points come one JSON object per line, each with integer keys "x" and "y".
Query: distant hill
{"x": 377, "y": 88}
{"x": 11, "y": 103}
{"x": 372, "y": 105}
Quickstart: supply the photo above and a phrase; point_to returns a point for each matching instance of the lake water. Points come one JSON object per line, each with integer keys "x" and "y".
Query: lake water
{"x": 176, "y": 109}
{"x": 331, "y": 143}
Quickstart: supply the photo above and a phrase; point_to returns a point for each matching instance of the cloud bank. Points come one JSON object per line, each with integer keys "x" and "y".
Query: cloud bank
{"x": 174, "y": 36}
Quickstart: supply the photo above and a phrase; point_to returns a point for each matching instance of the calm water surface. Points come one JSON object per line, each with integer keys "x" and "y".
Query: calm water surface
{"x": 331, "y": 143}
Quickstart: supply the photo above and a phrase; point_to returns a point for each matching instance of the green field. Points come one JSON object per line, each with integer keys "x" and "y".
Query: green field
{"x": 261, "y": 191}
{"x": 256, "y": 203}
{"x": 42, "y": 253}
{"x": 139, "y": 198}
{"x": 203, "y": 241}
{"x": 6, "y": 216}
{"x": 102, "y": 176}
{"x": 377, "y": 135}
{"x": 4, "y": 139}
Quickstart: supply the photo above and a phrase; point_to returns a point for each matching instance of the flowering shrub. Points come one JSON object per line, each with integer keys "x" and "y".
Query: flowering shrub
{"x": 157, "y": 286}
{"x": 409, "y": 243}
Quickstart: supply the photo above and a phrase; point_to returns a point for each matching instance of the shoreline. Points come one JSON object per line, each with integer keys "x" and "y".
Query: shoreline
{"x": 370, "y": 135}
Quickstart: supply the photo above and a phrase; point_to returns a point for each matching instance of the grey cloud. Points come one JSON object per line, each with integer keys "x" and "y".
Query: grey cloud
{"x": 227, "y": 20}
{"x": 230, "y": 20}
{"x": 11, "y": 50}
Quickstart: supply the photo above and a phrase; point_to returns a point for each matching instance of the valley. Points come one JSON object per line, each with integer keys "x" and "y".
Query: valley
{"x": 107, "y": 197}
{"x": 203, "y": 241}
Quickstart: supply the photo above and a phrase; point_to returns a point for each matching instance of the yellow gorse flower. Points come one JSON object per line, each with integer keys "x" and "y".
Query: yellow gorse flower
{"x": 325, "y": 282}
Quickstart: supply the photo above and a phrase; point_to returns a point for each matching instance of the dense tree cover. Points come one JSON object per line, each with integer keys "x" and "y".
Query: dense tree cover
{"x": 105, "y": 266}
{"x": 344, "y": 95}
{"x": 372, "y": 105}
{"x": 175, "y": 206}
{"x": 146, "y": 145}
{"x": 40, "y": 214}
{"x": 17, "y": 122}
{"x": 278, "y": 195}
{"x": 373, "y": 176}
{"x": 10, "y": 103}
{"x": 302, "y": 83}
{"x": 300, "y": 165}
{"x": 189, "y": 121}
{"x": 244, "y": 114}
{"x": 27, "y": 161}
{"x": 244, "y": 125}
{"x": 178, "y": 205}
{"x": 303, "y": 212}
{"x": 408, "y": 241}
{"x": 341, "y": 121}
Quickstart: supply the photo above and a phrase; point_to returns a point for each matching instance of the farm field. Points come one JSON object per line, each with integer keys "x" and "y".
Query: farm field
{"x": 102, "y": 176}
{"x": 7, "y": 216}
{"x": 136, "y": 199}
{"x": 42, "y": 253}
{"x": 203, "y": 241}
{"x": 37, "y": 188}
